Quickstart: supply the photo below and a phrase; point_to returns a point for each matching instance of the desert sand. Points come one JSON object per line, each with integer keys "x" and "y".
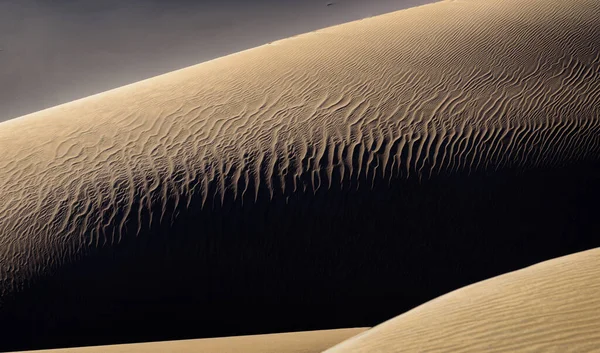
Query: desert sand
{"x": 278, "y": 186}
{"x": 296, "y": 342}
{"x": 552, "y": 306}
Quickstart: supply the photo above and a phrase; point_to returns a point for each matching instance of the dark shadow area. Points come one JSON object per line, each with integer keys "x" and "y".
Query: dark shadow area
{"x": 343, "y": 257}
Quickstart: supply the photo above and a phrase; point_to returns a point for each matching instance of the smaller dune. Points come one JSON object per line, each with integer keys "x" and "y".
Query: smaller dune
{"x": 293, "y": 342}
{"x": 552, "y": 306}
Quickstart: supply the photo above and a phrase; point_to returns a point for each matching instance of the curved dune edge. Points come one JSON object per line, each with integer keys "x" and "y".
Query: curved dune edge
{"x": 368, "y": 100}
{"x": 292, "y": 342}
{"x": 551, "y": 306}
{"x": 451, "y": 87}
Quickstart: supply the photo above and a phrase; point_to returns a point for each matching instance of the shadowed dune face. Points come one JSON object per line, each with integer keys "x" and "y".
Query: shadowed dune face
{"x": 372, "y": 165}
{"x": 551, "y": 306}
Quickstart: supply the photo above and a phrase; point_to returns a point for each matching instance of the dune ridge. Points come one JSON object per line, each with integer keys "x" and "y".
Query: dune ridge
{"x": 552, "y": 306}
{"x": 231, "y": 126}
{"x": 447, "y": 89}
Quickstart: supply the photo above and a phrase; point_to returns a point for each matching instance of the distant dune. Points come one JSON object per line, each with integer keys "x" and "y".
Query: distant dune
{"x": 333, "y": 179}
{"x": 296, "y": 342}
{"x": 552, "y": 306}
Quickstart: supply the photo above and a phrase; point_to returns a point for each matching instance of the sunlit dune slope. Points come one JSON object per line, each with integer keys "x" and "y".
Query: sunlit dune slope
{"x": 296, "y": 342}
{"x": 552, "y": 306}
{"x": 392, "y": 159}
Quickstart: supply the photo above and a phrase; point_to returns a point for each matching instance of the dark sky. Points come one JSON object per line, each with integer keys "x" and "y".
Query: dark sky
{"x": 55, "y": 51}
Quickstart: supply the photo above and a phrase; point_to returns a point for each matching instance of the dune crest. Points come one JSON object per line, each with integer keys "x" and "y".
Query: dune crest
{"x": 242, "y": 173}
{"x": 524, "y": 91}
{"x": 552, "y": 306}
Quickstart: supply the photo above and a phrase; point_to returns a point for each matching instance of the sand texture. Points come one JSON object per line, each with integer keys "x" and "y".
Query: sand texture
{"x": 383, "y": 161}
{"x": 552, "y": 306}
{"x": 296, "y": 342}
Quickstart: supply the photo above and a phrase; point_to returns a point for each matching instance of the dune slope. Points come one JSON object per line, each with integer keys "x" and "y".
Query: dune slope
{"x": 272, "y": 189}
{"x": 552, "y": 306}
{"x": 294, "y": 342}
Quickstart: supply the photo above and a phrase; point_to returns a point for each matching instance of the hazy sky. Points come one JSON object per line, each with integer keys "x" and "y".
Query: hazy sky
{"x": 55, "y": 51}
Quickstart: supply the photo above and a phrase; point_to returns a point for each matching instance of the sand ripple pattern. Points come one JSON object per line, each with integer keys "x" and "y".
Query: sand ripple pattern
{"x": 450, "y": 87}
{"x": 549, "y": 307}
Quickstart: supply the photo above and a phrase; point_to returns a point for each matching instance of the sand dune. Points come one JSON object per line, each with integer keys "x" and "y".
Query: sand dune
{"x": 552, "y": 306}
{"x": 296, "y": 342}
{"x": 276, "y": 187}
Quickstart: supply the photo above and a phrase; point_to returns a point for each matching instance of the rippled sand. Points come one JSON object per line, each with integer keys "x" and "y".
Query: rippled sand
{"x": 451, "y": 88}
{"x": 552, "y": 306}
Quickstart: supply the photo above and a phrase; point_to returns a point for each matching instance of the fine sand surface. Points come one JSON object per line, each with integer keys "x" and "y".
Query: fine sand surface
{"x": 552, "y": 306}
{"x": 373, "y": 165}
{"x": 295, "y": 342}
{"x": 58, "y": 51}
